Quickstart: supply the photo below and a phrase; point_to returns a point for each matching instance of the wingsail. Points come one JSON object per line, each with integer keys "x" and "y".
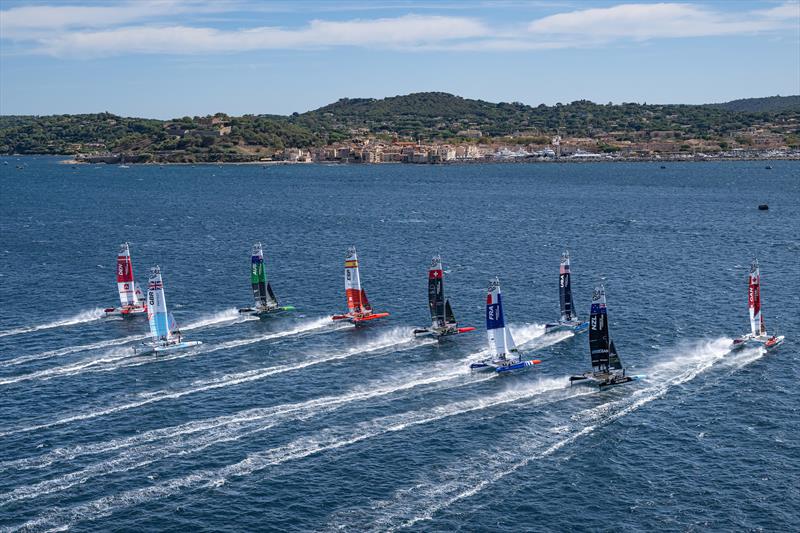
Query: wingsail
{"x": 443, "y": 320}
{"x": 569, "y": 318}
{"x": 359, "y": 309}
{"x": 264, "y": 298}
{"x": 758, "y": 331}
{"x": 130, "y": 296}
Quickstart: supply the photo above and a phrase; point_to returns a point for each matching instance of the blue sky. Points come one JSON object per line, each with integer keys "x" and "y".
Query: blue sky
{"x": 168, "y": 58}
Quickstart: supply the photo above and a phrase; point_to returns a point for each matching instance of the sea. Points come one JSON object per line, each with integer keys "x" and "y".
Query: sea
{"x": 299, "y": 423}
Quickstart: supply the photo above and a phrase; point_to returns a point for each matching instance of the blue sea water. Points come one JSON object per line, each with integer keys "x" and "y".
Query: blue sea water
{"x": 297, "y": 424}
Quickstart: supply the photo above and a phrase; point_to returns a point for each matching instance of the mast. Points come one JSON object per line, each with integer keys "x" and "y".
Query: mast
{"x": 157, "y": 313}
{"x": 754, "y": 300}
{"x": 436, "y": 301}
{"x": 565, "y": 290}
{"x": 357, "y": 301}
{"x": 500, "y": 341}
{"x": 599, "y": 343}
{"x": 128, "y": 296}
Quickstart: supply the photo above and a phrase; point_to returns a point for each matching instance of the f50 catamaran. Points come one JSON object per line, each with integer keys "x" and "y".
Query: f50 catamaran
{"x": 130, "y": 297}
{"x": 569, "y": 318}
{"x": 758, "y": 332}
{"x": 265, "y": 300}
{"x": 443, "y": 321}
{"x": 359, "y": 309}
{"x": 164, "y": 331}
{"x": 504, "y": 355}
{"x": 607, "y": 369}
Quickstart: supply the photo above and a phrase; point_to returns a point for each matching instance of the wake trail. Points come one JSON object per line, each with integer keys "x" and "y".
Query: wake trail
{"x": 440, "y": 374}
{"x": 467, "y": 480}
{"x": 81, "y": 318}
{"x": 227, "y": 317}
{"x": 326, "y": 440}
{"x": 400, "y": 339}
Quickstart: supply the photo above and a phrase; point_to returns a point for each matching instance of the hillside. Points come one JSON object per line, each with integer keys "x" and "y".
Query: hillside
{"x": 430, "y": 117}
{"x": 769, "y": 104}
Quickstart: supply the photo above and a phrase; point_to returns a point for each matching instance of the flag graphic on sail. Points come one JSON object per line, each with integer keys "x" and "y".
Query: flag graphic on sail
{"x": 262, "y": 291}
{"x": 500, "y": 341}
{"x": 157, "y": 313}
{"x": 565, "y": 290}
{"x": 436, "y": 300}
{"x": 599, "y": 344}
{"x": 357, "y": 301}
{"x": 754, "y": 297}
{"x": 129, "y": 296}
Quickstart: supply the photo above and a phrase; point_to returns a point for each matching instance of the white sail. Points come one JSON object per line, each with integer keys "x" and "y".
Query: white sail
{"x": 128, "y": 294}
{"x": 157, "y": 313}
{"x": 500, "y": 340}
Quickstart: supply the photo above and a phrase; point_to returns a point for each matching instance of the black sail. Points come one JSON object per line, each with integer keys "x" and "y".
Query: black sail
{"x": 436, "y": 293}
{"x": 614, "y": 362}
{"x": 565, "y": 289}
{"x": 271, "y": 298}
{"x": 599, "y": 345}
{"x": 450, "y": 317}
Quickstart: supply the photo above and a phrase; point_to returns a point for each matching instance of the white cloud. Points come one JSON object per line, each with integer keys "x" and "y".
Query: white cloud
{"x": 664, "y": 20}
{"x": 173, "y": 27}
{"x": 409, "y": 30}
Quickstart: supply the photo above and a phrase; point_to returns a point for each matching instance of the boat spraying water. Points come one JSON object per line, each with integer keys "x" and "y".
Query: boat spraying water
{"x": 504, "y": 355}
{"x": 166, "y": 337}
{"x": 359, "y": 309}
{"x": 443, "y": 320}
{"x": 758, "y": 331}
{"x": 607, "y": 369}
{"x": 569, "y": 318}
{"x": 130, "y": 296}
{"x": 265, "y": 300}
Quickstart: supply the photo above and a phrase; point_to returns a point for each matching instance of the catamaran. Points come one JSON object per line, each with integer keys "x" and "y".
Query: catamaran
{"x": 607, "y": 369}
{"x": 265, "y": 300}
{"x": 359, "y": 309}
{"x": 443, "y": 321}
{"x": 504, "y": 355}
{"x": 166, "y": 337}
{"x": 569, "y": 318}
{"x": 130, "y": 297}
{"x": 758, "y": 332}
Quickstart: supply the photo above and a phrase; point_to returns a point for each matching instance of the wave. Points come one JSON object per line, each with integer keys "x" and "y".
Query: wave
{"x": 81, "y": 318}
{"x": 325, "y": 440}
{"x": 398, "y": 338}
{"x": 467, "y": 479}
{"x": 226, "y": 317}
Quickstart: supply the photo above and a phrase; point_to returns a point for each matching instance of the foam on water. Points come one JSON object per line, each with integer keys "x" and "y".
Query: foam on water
{"x": 83, "y": 317}
{"x": 465, "y": 479}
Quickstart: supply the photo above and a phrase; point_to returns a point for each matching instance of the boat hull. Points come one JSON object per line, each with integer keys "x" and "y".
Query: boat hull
{"x": 762, "y": 340}
{"x": 264, "y": 313}
{"x": 602, "y": 381}
{"x": 575, "y": 327}
{"x": 125, "y": 312}
{"x": 439, "y": 333}
{"x": 359, "y": 320}
{"x": 503, "y": 367}
{"x": 163, "y": 349}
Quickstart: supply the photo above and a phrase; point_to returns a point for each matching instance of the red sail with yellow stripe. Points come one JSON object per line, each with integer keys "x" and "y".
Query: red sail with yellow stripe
{"x": 358, "y": 306}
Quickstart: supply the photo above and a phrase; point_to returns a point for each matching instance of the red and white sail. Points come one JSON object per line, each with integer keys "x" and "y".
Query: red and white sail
{"x": 357, "y": 302}
{"x": 754, "y": 300}
{"x": 129, "y": 296}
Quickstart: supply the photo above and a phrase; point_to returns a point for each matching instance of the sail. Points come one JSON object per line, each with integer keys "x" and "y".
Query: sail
{"x": 449, "y": 316}
{"x": 128, "y": 295}
{"x": 754, "y": 297}
{"x": 598, "y": 331}
{"x": 262, "y": 292}
{"x": 495, "y": 322}
{"x": 565, "y": 290}
{"x": 614, "y": 362}
{"x": 357, "y": 301}
{"x": 157, "y": 306}
{"x": 436, "y": 300}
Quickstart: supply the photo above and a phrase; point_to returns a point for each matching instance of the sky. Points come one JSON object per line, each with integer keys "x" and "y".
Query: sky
{"x": 172, "y": 58}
